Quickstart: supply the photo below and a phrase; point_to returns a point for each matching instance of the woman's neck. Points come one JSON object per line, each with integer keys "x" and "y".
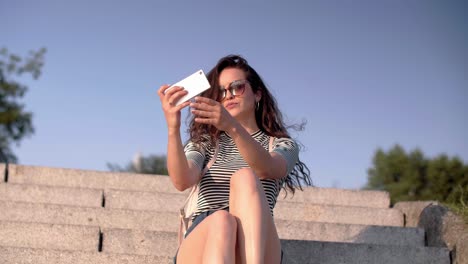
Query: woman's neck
{"x": 250, "y": 125}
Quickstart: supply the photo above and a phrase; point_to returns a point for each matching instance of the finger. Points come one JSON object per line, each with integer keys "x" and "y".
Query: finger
{"x": 206, "y": 100}
{"x": 161, "y": 90}
{"x": 203, "y": 114}
{"x": 207, "y": 121}
{"x": 175, "y": 97}
{"x": 182, "y": 105}
{"x": 172, "y": 90}
{"x": 202, "y": 106}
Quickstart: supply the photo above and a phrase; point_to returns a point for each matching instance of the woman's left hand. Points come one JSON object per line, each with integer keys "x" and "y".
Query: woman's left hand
{"x": 211, "y": 112}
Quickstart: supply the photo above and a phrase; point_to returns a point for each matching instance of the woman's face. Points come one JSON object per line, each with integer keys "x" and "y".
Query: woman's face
{"x": 242, "y": 103}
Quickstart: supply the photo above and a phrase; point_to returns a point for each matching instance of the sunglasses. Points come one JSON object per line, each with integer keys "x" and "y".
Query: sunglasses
{"x": 236, "y": 88}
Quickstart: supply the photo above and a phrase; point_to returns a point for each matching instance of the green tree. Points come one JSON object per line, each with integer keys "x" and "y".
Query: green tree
{"x": 15, "y": 121}
{"x": 412, "y": 176}
{"x": 152, "y": 164}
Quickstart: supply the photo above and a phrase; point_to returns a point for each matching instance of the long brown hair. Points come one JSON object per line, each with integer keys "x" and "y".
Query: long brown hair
{"x": 267, "y": 115}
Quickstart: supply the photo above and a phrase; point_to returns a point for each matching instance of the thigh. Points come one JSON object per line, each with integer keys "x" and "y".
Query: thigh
{"x": 247, "y": 179}
{"x": 192, "y": 248}
{"x": 273, "y": 245}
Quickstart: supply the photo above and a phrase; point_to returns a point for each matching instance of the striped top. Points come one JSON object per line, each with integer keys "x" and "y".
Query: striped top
{"x": 214, "y": 185}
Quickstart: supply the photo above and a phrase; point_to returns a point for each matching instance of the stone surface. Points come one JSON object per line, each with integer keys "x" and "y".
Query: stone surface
{"x": 412, "y": 210}
{"x": 151, "y": 221}
{"x": 139, "y": 242}
{"x": 88, "y": 179}
{"x": 158, "y": 243}
{"x": 333, "y": 196}
{"x": 338, "y": 214}
{"x": 126, "y": 181}
{"x": 150, "y": 201}
{"x": 139, "y": 200}
{"x": 152, "y": 242}
{"x": 443, "y": 227}
{"x": 283, "y": 210}
{"x": 2, "y": 172}
{"x": 12, "y": 255}
{"x": 460, "y": 253}
{"x": 55, "y": 176}
{"x": 332, "y": 232}
{"x": 158, "y": 221}
{"x": 105, "y": 218}
{"x": 49, "y": 236}
{"x": 140, "y": 220}
{"x": 315, "y": 252}
{"x": 51, "y": 195}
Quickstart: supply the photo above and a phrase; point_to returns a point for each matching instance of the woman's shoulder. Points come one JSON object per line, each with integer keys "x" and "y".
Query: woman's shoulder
{"x": 275, "y": 138}
{"x": 204, "y": 143}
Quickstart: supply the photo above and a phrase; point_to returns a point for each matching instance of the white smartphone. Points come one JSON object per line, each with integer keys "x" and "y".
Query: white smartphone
{"x": 193, "y": 84}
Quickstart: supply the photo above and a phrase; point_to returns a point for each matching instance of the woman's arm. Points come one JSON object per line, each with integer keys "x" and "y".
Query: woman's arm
{"x": 183, "y": 173}
{"x": 265, "y": 164}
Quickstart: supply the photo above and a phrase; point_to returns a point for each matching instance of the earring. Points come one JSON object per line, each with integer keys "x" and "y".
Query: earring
{"x": 258, "y": 105}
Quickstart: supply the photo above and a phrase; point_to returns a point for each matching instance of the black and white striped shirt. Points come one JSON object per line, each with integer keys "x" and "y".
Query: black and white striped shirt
{"x": 214, "y": 185}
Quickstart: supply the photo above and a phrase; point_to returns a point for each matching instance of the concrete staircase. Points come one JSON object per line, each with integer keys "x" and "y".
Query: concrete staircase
{"x": 54, "y": 215}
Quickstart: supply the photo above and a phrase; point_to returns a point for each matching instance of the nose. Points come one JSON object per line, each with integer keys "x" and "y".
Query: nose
{"x": 228, "y": 94}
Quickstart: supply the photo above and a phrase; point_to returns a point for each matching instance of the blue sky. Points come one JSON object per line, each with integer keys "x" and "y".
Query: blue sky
{"x": 364, "y": 74}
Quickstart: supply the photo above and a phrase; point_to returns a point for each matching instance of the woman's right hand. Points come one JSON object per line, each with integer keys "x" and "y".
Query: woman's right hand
{"x": 168, "y": 102}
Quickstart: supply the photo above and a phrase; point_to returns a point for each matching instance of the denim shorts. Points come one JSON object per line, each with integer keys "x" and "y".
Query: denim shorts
{"x": 197, "y": 221}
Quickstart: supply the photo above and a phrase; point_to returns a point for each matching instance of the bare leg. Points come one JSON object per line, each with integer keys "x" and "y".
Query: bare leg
{"x": 212, "y": 241}
{"x": 257, "y": 239}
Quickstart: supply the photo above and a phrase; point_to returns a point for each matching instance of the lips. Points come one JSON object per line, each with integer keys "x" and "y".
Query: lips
{"x": 230, "y": 105}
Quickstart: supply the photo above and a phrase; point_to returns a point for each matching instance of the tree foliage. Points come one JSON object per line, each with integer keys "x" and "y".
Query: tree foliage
{"x": 412, "y": 176}
{"x": 152, "y": 164}
{"x": 15, "y": 121}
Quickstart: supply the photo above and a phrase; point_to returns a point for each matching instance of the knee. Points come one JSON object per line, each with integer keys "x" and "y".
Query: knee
{"x": 244, "y": 180}
{"x": 224, "y": 224}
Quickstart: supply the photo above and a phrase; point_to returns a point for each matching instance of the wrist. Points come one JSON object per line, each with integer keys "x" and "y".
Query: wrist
{"x": 235, "y": 130}
{"x": 173, "y": 132}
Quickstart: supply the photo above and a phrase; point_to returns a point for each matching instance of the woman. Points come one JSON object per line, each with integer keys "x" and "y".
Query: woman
{"x": 237, "y": 116}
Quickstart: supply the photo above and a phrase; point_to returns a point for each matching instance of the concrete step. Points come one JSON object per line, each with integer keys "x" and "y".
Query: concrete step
{"x": 148, "y": 201}
{"x": 49, "y": 236}
{"x": 295, "y": 253}
{"x": 142, "y": 242}
{"x": 2, "y": 172}
{"x": 161, "y": 201}
{"x": 139, "y": 200}
{"x": 283, "y": 210}
{"x": 87, "y": 197}
{"x": 18, "y": 255}
{"x": 339, "y": 214}
{"x": 316, "y": 252}
{"x": 365, "y": 234}
{"x": 51, "y": 194}
{"x": 88, "y": 179}
{"x": 127, "y": 241}
{"x": 126, "y": 181}
{"x": 168, "y": 222}
{"x": 138, "y": 247}
{"x": 138, "y": 242}
{"x": 333, "y": 196}
{"x": 88, "y": 216}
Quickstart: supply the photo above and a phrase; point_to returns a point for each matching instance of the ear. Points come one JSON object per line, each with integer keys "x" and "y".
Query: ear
{"x": 258, "y": 95}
